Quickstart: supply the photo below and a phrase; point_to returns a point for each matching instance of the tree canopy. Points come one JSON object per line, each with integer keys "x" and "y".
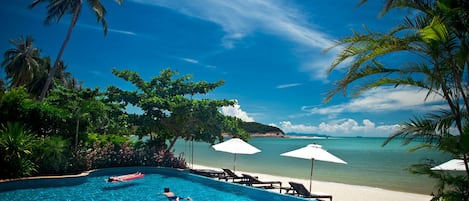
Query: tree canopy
{"x": 170, "y": 110}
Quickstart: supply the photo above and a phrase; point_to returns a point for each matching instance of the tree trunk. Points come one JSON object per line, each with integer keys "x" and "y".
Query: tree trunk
{"x": 62, "y": 49}
{"x": 173, "y": 141}
{"x": 76, "y": 133}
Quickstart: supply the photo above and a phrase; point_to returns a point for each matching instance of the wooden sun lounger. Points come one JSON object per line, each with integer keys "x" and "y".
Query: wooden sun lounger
{"x": 300, "y": 190}
{"x": 230, "y": 175}
{"x": 208, "y": 173}
{"x": 255, "y": 182}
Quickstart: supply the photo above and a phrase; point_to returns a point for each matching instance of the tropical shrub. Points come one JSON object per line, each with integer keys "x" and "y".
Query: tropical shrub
{"x": 115, "y": 139}
{"x": 103, "y": 155}
{"x": 16, "y": 105}
{"x": 53, "y": 155}
{"x": 16, "y": 145}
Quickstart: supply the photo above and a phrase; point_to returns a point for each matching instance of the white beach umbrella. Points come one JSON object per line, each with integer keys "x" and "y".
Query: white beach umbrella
{"x": 454, "y": 164}
{"x": 236, "y": 146}
{"x": 313, "y": 152}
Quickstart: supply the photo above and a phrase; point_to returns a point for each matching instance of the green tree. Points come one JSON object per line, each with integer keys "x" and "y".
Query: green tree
{"x": 435, "y": 40}
{"x": 21, "y": 63}
{"x": 24, "y": 66}
{"x": 16, "y": 105}
{"x": 84, "y": 109}
{"x": 168, "y": 107}
{"x": 16, "y": 145}
{"x": 56, "y": 9}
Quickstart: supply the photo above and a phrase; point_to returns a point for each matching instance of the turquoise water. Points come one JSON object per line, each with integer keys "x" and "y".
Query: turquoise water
{"x": 369, "y": 164}
{"x": 147, "y": 188}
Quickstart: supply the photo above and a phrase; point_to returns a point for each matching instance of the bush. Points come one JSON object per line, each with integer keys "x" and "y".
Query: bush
{"x": 16, "y": 144}
{"x": 53, "y": 153}
{"x": 109, "y": 155}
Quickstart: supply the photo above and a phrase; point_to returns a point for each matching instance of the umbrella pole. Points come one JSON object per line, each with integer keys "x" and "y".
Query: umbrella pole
{"x": 192, "y": 157}
{"x": 311, "y": 174}
{"x": 234, "y": 163}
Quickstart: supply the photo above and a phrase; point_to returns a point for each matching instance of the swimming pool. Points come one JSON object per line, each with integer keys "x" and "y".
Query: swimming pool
{"x": 93, "y": 187}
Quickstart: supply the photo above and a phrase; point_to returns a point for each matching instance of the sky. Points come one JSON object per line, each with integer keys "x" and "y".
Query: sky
{"x": 270, "y": 53}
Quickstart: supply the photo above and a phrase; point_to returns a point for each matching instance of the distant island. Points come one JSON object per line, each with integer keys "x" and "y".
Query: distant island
{"x": 261, "y": 130}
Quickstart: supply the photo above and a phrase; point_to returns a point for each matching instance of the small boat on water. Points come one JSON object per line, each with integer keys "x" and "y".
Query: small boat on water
{"x": 126, "y": 177}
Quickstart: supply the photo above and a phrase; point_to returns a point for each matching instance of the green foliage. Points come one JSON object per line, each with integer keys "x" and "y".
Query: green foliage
{"x": 169, "y": 110}
{"x": 109, "y": 155}
{"x": 16, "y": 146}
{"x": 53, "y": 153}
{"x": 436, "y": 32}
{"x": 18, "y": 106}
{"x": 451, "y": 186}
{"x": 115, "y": 139}
{"x": 22, "y": 63}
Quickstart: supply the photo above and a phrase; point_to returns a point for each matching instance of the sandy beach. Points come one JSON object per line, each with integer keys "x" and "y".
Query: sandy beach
{"x": 340, "y": 192}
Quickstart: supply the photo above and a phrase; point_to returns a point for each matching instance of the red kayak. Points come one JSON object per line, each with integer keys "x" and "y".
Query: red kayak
{"x": 126, "y": 177}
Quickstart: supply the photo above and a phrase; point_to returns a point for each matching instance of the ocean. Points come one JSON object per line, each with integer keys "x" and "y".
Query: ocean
{"x": 369, "y": 164}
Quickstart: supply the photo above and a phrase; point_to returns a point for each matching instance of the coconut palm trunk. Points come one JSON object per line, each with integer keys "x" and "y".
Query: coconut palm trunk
{"x": 52, "y": 71}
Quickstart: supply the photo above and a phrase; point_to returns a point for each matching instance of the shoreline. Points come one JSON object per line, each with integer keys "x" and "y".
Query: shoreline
{"x": 339, "y": 191}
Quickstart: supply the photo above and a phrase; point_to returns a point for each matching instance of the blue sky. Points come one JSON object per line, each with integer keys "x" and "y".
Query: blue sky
{"x": 268, "y": 52}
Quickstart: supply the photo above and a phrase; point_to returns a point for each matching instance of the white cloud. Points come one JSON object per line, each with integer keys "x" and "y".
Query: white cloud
{"x": 122, "y": 32}
{"x": 343, "y": 127}
{"x": 383, "y": 99}
{"x": 283, "y": 86}
{"x": 99, "y": 28}
{"x": 189, "y": 60}
{"x": 195, "y": 61}
{"x": 236, "y": 111}
{"x": 240, "y": 18}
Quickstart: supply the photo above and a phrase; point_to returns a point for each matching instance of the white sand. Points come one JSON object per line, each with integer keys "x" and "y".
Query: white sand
{"x": 340, "y": 192}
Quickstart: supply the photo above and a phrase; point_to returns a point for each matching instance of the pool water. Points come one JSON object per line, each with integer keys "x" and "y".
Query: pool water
{"x": 149, "y": 187}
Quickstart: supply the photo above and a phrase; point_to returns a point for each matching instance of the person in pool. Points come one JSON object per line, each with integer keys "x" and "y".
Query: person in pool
{"x": 172, "y": 197}
{"x": 113, "y": 179}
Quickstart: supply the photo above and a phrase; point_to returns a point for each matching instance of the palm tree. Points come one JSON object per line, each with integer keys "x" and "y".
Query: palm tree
{"x": 35, "y": 86}
{"x": 65, "y": 79}
{"x": 2, "y": 88}
{"x": 22, "y": 62}
{"x": 56, "y": 9}
{"x": 437, "y": 38}
{"x": 61, "y": 78}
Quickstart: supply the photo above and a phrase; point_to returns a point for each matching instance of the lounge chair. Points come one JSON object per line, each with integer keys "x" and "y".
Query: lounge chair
{"x": 230, "y": 175}
{"x": 300, "y": 190}
{"x": 255, "y": 182}
{"x": 208, "y": 172}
